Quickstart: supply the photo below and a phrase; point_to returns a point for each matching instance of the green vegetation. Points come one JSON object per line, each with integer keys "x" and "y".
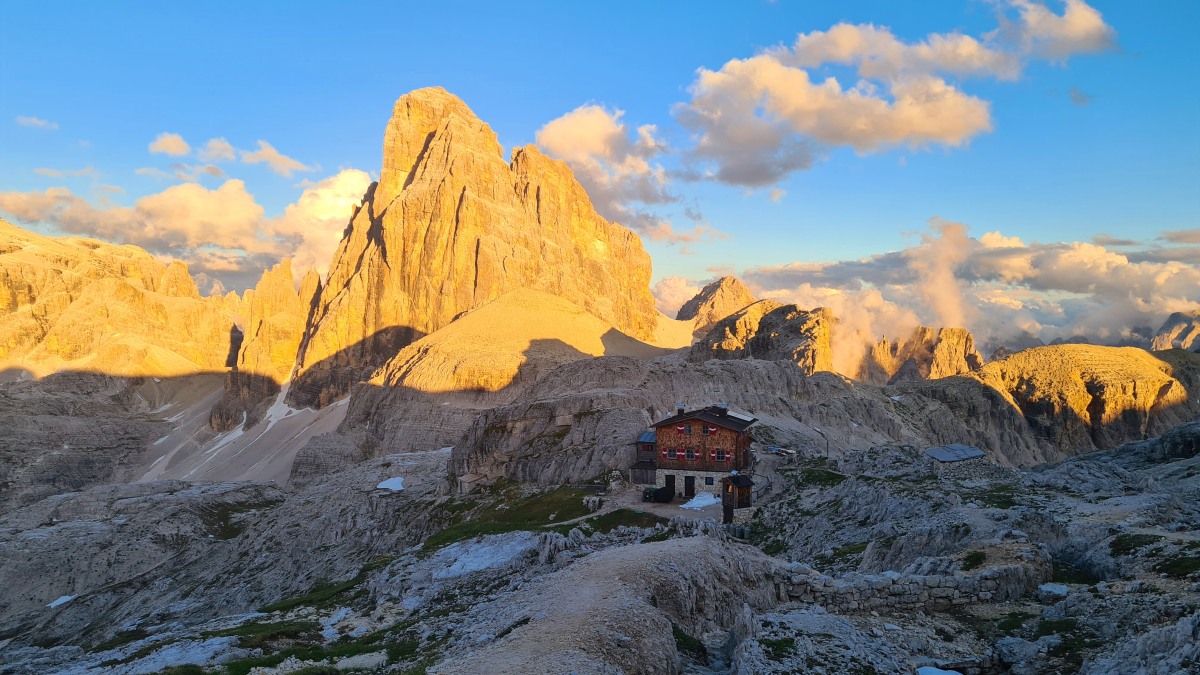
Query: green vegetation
{"x": 184, "y": 669}
{"x": 1014, "y": 621}
{"x": 303, "y": 653}
{"x": 627, "y": 517}
{"x": 973, "y": 560}
{"x": 1074, "y": 641}
{"x": 661, "y": 536}
{"x": 536, "y": 511}
{"x": 263, "y": 635}
{"x": 120, "y": 639}
{"x": 821, "y": 477}
{"x": 778, "y": 649}
{"x": 686, "y": 644}
{"x": 1126, "y": 544}
{"x": 1182, "y": 564}
{"x": 997, "y": 497}
{"x": 844, "y": 555}
{"x": 219, "y": 517}
{"x": 1056, "y": 626}
{"x": 1066, "y": 573}
{"x": 516, "y": 625}
{"x": 323, "y": 593}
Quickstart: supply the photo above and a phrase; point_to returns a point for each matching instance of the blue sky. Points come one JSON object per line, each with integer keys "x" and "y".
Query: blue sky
{"x": 86, "y": 87}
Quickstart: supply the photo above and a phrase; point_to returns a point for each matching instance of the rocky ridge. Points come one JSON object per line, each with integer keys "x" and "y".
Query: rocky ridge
{"x": 1181, "y": 330}
{"x": 772, "y": 331}
{"x": 927, "y": 354}
{"x": 714, "y": 302}
{"x": 451, "y": 226}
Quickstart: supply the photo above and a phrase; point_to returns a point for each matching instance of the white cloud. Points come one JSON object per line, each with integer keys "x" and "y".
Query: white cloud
{"x": 169, "y": 144}
{"x": 671, "y": 292}
{"x": 757, "y": 120}
{"x": 57, "y": 173}
{"x": 996, "y": 286}
{"x": 217, "y": 150}
{"x": 278, "y": 162}
{"x": 35, "y": 122}
{"x": 617, "y": 169}
{"x": 220, "y": 232}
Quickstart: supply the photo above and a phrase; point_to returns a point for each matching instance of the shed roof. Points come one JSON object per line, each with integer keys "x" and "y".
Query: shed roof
{"x": 739, "y": 480}
{"x": 646, "y": 437}
{"x": 954, "y": 452}
{"x": 714, "y": 415}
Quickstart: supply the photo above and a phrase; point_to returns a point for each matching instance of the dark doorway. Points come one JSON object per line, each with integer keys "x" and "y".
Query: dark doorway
{"x": 689, "y": 486}
{"x": 671, "y": 483}
{"x": 726, "y": 513}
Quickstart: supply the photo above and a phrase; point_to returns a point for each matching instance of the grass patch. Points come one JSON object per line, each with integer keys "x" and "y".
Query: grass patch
{"x": 1127, "y": 544}
{"x": 1178, "y": 566}
{"x": 628, "y": 517}
{"x": 302, "y": 653}
{"x": 1013, "y": 621}
{"x": 183, "y": 669}
{"x": 973, "y": 560}
{"x": 1066, "y": 573}
{"x": 686, "y": 644}
{"x": 516, "y": 625}
{"x": 998, "y": 497}
{"x": 528, "y": 513}
{"x": 120, "y": 639}
{"x": 1056, "y": 626}
{"x": 821, "y": 477}
{"x": 259, "y": 635}
{"x": 843, "y": 555}
{"x": 661, "y": 536}
{"x": 320, "y": 595}
{"x": 778, "y": 649}
{"x": 220, "y": 517}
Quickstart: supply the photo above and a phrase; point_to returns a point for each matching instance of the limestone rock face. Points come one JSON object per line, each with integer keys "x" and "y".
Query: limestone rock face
{"x": 274, "y": 314}
{"x": 1181, "y": 330}
{"x": 772, "y": 331}
{"x": 927, "y": 354}
{"x": 449, "y": 227}
{"x": 715, "y": 302}
{"x": 1075, "y": 398}
{"x": 81, "y": 304}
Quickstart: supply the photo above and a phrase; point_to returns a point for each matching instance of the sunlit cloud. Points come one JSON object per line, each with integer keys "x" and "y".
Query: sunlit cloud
{"x": 217, "y": 150}
{"x": 756, "y": 120}
{"x": 276, "y": 161}
{"x": 86, "y": 171}
{"x": 221, "y": 232}
{"x": 671, "y": 292}
{"x": 35, "y": 122}
{"x": 1182, "y": 236}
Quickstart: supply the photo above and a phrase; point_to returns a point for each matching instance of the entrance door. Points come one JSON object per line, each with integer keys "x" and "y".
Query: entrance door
{"x": 671, "y": 483}
{"x": 689, "y": 486}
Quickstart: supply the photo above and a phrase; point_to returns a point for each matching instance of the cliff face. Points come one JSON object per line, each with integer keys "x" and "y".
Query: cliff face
{"x": 714, "y": 302}
{"x": 1181, "y": 330}
{"x": 927, "y": 354}
{"x": 87, "y": 305}
{"x": 772, "y": 331}
{"x": 273, "y": 314}
{"x": 449, "y": 227}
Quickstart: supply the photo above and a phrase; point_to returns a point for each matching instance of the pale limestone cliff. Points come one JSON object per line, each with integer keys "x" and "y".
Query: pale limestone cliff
{"x": 1181, "y": 330}
{"x": 274, "y": 315}
{"x": 449, "y": 227}
{"x": 927, "y": 354}
{"x": 715, "y": 302}
{"x": 81, "y": 304}
{"x": 772, "y": 331}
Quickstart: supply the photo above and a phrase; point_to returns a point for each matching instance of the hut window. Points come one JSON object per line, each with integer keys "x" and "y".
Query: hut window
{"x": 722, "y": 456}
{"x": 708, "y": 480}
{"x": 691, "y": 453}
{"x": 672, "y": 453}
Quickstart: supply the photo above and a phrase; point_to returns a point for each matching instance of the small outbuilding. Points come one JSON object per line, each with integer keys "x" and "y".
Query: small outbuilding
{"x": 736, "y": 493}
{"x": 954, "y": 452}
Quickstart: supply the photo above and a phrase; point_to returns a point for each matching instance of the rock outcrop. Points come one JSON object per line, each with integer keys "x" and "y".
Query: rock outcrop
{"x": 273, "y": 314}
{"x": 772, "y": 331}
{"x": 927, "y": 354}
{"x": 449, "y": 227}
{"x": 715, "y": 302}
{"x": 1181, "y": 330}
{"x": 81, "y": 304}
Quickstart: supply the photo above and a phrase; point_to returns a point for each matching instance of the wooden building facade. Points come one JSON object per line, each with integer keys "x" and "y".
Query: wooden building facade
{"x": 693, "y": 450}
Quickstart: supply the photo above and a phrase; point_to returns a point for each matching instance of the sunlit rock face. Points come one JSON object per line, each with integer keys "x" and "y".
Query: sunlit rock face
{"x": 772, "y": 331}
{"x": 273, "y": 316}
{"x": 927, "y": 354}
{"x": 1180, "y": 331}
{"x": 81, "y": 304}
{"x": 715, "y": 302}
{"x": 451, "y": 226}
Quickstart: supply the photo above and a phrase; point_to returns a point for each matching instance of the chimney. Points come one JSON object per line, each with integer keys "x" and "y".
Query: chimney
{"x": 724, "y": 408}
{"x": 679, "y": 409}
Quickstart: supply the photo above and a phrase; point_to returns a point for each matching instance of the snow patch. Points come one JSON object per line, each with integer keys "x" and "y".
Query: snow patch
{"x": 701, "y": 500}
{"x": 328, "y": 630}
{"x": 62, "y": 600}
{"x": 930, "y": 670}
{"x": 484, "y": 553}
{"x": 394, "y": 484}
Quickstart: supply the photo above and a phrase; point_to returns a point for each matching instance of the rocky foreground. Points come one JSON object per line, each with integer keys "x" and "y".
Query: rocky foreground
{"x": 881, "y": 560}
